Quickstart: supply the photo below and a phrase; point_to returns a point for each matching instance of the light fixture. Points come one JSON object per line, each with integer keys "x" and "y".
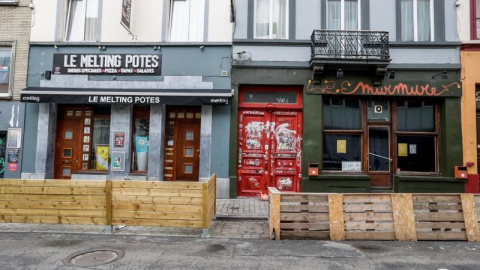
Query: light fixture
{"x": 55, "y": 46}
{"x": 202, "y": 47}
{"x": 339, "y": 74}
{"x": 443, "y": 75}
{"x": 102, "y": 48}
{"x": 156, "y": 48}
{"x": 391, "y": 75}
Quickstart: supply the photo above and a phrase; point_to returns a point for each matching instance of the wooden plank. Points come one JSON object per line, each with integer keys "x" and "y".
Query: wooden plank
{"x": 53, "y": 220}
{"x": 470, "y": 217}
{"x": 156, "y": 215}
{"x": 159, "y": 222}
{"x": 454, "y": 198}
{"x": 369, "y": 216}
{"x": 306, "y": 235}
{"x": 108, "y": 196}
{"x": 449, "y": 236}
{"x": 370, "y": 235}
{"x": 304, "y": 208}
{"x": 55, "y": 198}
{"x": 53, "y": 212}
{"x": 378, "y": 226}
{"x": 158, "y": 207}
{"x": 436, "y": 207}
{"x": 52, "y": 183}
{"x": 274, "y": 217}
{"x": 336, "y": 218}
{"x": 50, "y": 205}
{"x": 325, "y": 226}
{"x": 370, "y": 198}
{"x": 157, "y": 200}
{"x": 158, "y": 192}
{"x": 384, "y": 207}
{"x": 440, "y": 225}
{"x": 436, "y": 216}
{"x": 304, "y": 216}
{"x": 316, "y": 198}
{"x": 157, "y": 185}
{"x": 206, "y": 222}
{"x": 404, "y": 221}
{"x": 52, "y": 190}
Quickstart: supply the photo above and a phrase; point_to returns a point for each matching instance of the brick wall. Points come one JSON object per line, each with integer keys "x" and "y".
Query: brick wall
{"x": 15, "y": 23}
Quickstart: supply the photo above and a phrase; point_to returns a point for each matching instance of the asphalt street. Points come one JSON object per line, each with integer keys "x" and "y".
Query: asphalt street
{"x": 54, "y": 250}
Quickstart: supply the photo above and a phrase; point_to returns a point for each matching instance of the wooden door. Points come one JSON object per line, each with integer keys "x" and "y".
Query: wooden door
{"x": 478, "y": 141}
{"x": 379, "y": 157}
{"x": 182, "y": 145}
{"x": 269, "y": 151}
{"x": 68, "y": 152}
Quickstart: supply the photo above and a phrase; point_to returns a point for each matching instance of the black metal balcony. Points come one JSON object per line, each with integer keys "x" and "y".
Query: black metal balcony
{"x": 350, "y": 46}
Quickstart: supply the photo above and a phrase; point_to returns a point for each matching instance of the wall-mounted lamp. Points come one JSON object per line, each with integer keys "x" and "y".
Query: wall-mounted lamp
{"x": 391, "y": 75}
{"x": 156, "y": 48}
{"x": 202, "y": 47}
{"x": 102, "y": 48}
{"x": 339, "y": 74}
{"x": 443, "y": 75}
{"x": 55, "y": 46}
{"x": 47, "y": 74}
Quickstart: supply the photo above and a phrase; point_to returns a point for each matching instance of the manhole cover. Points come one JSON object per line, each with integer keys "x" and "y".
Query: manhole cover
{"x": 93, "y": 257}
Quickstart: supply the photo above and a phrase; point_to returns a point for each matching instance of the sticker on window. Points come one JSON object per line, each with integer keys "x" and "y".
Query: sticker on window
{"x": 351, "y": 166}
{"x": 342, "y": 146}
{"x": 402, "y": 150}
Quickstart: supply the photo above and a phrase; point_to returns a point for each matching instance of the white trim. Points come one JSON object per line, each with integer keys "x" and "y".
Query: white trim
{"x": 432, "y": 22}
{"x": 156, "y": 94}
{"x": 415, "y": 20}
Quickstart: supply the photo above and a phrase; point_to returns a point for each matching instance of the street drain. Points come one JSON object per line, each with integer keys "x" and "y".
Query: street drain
{"x": 93, "y": 257}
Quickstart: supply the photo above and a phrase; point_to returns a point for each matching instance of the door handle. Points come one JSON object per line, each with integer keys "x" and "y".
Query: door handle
{"x": 76, "y": 160}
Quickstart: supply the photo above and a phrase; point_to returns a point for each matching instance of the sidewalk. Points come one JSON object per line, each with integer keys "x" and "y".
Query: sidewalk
{"x": 244, "y": 218}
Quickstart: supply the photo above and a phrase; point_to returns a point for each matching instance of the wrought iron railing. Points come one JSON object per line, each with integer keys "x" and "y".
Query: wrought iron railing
{"x": 350, "y": 45}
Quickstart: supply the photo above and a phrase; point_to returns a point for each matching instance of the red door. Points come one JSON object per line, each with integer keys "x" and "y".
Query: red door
{"x": 269, "y": 151}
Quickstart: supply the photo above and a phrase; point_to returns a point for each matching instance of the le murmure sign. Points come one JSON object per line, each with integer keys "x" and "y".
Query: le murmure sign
{"x": 104, "y": 64}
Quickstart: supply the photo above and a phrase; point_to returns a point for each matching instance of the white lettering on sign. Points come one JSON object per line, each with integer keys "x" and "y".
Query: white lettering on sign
{"x": 123, "y": 99}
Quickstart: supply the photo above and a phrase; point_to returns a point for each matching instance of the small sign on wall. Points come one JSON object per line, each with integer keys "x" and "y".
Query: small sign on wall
{"x": 118, "y": 161}
{"x": 14, "y": 139}
{"x": 119, "y": 137}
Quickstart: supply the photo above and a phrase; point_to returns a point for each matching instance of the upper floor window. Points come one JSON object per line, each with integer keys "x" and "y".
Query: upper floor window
{"x": 475, "y": 20}
{"x": 271, "y": 19}
{"x": 416, "y": 20}
{"x": 6, "y": 56}
{"x": 187, "y": 20}
{"x": 343, "y": 14}
{"x": 81, "y": 24}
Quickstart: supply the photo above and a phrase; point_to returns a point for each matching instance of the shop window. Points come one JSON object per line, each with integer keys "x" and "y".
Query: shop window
{"x": 343, "y": 15}
{"x": 141, "y": 132}
{"x": 475, "y": 19}
{"x": 100, "y": 143}
{"x": 342, "y": 137}
{"x": 271, "y": 19}
{"x": 416, "y": 20}
{"x": 187, "y": 20}
{"x": 81, "y": 20}
{"x": 6, "y": 56}
{"x": 416, "y": 136}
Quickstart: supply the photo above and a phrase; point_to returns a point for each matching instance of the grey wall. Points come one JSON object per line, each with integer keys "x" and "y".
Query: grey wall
{"x": 383, "y": 17}
{"x": 307, "y": 17}
{"x": 451, "y": 30}
{"x": 30, "y": 138}
{"x": 220, "y": 140}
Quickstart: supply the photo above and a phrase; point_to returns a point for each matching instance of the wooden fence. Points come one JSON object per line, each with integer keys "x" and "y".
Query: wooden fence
{"x": 401, "y": 217}
{"x": 139, "y": 203}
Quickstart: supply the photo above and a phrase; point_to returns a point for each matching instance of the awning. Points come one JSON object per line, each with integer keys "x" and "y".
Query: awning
{"x": 125, "y": 96}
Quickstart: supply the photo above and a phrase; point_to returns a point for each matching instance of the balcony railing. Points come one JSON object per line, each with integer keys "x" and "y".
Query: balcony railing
{"x": 350, "y": 45}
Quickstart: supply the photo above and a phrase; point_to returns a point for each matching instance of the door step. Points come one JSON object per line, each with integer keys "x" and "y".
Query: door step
{"x": 381, "y": 190}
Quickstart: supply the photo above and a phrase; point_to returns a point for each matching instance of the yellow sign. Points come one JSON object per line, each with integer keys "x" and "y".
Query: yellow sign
{"x": 102, "y": 157}
{"x": 342, "y": 146}
{"x": 402, "y": 150}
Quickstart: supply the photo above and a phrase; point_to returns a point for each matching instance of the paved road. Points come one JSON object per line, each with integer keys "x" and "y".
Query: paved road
{"x": 49, "y": 250}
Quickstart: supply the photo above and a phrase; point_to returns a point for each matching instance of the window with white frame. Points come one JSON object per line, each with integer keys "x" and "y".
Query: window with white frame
{"x": 81, "y": 23}
{"x": 271, "y": 19}
{"x": 343, "y": 14}
{"x": 416, "y": 20}
{"x": 187, "y": 20}
{"x": 6, "y": 56}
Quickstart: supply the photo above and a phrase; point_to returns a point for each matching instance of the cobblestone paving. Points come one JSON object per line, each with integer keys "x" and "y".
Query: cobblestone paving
{"x": 242, "y": 208}
{"x": 238, "y": 218}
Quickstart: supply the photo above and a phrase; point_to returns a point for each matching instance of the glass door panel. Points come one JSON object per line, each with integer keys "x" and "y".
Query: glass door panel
{"x": 378, "y": 149}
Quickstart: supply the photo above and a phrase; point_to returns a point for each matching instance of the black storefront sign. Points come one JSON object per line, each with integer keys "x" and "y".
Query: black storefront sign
{"x": 126, "y": 14}
{"x": 107, "y": 64}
